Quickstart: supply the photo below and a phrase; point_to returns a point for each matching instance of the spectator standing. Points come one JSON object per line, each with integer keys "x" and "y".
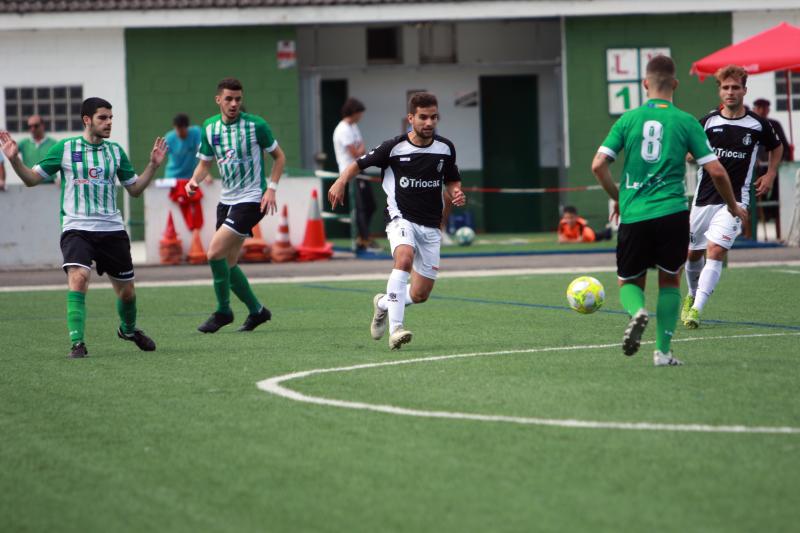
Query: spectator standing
{"x": 183, "y": 142}
{"x": 35, "y": 149}
{"x": 761, "y": 108}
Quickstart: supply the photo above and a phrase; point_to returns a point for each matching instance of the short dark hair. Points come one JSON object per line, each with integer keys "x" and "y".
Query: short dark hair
{"x": 570, "y": 209}
{"x": 232, "y": 84}
{"x": 181, "y": 120}
{"x": 418, "y": 100}
{"x": 761, "y": 102}
{"x": 90, "y": 106}
{"x": 351, "y": 107}
{"x": 661, "y": 72}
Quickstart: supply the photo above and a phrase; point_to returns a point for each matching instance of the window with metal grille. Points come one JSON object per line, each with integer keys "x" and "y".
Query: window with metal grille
{"x": 59, "y": 107}
{"x": 781, "y": 99}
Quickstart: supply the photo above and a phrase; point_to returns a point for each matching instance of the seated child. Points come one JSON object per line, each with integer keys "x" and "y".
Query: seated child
{"x": 572, "y": 228}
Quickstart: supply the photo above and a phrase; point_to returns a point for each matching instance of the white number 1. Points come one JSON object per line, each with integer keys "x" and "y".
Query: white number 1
{"x": 651, "y": 141}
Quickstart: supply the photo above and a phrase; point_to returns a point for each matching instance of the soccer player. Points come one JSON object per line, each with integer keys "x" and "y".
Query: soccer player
{"x": 237, "y": 140}
{"x": 92, "y": 227}
{"x": 651, "y": 202}
{"x": 414, "y": 166}
{"x": 736, "y": 134}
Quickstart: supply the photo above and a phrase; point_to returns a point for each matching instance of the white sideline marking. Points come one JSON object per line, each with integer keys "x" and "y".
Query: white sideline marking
{"x": 273, "y": 386}
{"x": 787, "y": 271}
{"x": 477, "y": 273}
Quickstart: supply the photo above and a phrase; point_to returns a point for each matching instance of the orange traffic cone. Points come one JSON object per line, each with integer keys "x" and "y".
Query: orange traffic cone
{"x": 255, "y": 249}
{"x": 196, "y": 254}
{"x": 282, "y": 249}
{"x": 170, "y": 247}
{"x": 314, "y": 246}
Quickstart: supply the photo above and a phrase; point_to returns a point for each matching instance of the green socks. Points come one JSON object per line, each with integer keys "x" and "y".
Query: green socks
{"x": 76, "y": 315}
{"x": 241, "y": 288}
{"x": 222, "y": 284}
{"x": 127, "y": 315}
{"x": 667, "y": 311}
{"x": 632, "y": 298}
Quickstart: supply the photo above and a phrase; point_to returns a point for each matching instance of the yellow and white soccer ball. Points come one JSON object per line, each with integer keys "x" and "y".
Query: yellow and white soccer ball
{"x": 586, "y": 294}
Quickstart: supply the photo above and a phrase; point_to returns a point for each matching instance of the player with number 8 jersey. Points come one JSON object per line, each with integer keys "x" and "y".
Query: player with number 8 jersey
{"x": 651, "y": 202}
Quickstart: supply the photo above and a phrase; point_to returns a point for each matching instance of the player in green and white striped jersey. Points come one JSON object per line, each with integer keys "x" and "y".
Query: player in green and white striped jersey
{"x": 92, "y": 227}
{"x": 237, "y": 141}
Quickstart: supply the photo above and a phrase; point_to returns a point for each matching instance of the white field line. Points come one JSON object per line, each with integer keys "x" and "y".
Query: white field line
{"x": 787, "y": 271}
{"x": 477, "y": 273}
{"x": 274, "y": 386}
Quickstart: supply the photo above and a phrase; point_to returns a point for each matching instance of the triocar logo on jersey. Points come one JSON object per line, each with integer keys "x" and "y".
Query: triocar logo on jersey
{"x": 747, "y": 141}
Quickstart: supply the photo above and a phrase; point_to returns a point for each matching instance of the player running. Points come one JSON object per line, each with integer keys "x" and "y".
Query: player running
{"x": 414, "y": 167}
{"x": 92, "y": 227}
{"x": 237, "y": 141}
{"x": 651, "y": 202}
{"x": 736, "y": 134}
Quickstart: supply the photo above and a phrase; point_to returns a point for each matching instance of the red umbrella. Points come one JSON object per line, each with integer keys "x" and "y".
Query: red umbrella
{"x": 777, "y": 48}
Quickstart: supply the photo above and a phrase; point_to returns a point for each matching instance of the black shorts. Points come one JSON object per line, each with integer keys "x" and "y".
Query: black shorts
{"x": 110, "y": 251}
{"x": 659, "y": 242}
{"x": 240, "y": 218}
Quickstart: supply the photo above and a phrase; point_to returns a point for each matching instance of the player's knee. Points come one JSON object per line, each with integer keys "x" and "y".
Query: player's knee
{"x": 127, "y": 293}
{"x": 78, "y": 279}
{"x": 419, "y": 297}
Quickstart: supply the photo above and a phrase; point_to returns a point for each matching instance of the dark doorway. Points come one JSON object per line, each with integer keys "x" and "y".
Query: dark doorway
{"x": 510, "y": 148}
{"x": 333, "y": 94}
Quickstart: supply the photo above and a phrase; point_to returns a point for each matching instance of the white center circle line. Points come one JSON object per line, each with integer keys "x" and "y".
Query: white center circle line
{"x": 274, "y": 385}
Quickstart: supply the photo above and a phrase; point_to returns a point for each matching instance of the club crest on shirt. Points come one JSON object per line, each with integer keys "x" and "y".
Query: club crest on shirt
{"x": 77, "y": 157}
{"x": 747, "y": 141}
{"x": 440, "y": 166}
{"x": 215, "y": 139}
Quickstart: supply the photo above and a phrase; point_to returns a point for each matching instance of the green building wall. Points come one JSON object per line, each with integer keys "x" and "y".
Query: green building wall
{"x": 176, "y": 70}
{"x": 689, "y": 36}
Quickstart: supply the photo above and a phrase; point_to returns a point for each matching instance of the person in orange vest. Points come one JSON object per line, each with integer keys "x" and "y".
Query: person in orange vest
{"x": 572, "y": 228}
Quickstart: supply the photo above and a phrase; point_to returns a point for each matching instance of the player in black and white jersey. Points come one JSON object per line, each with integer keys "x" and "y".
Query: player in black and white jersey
{"x": 414, "y": 167}
{"x": 735, "y": 133}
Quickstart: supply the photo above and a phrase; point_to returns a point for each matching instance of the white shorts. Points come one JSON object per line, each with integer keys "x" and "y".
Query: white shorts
{"x": 712, "y": 223}
{"x": 425, "y": 241}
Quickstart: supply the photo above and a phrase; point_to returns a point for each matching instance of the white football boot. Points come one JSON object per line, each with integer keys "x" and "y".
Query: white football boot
{"x": 399, "y": 337}
{"x": 378, "y": 326}
{"x": 665, "y": 359}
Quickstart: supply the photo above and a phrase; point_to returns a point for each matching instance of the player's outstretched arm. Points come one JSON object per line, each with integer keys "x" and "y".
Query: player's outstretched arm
{"x": 455, "y": 192}
{"x": 269, "y": 203}
{"x": 337, "y": 190}
{"x": 602, "y": 171}
{"x": 10, "y": 149}
{"x": 201, "y": 171}
{"x": 157, "y": 155}
{"x": 764, "y": 183}
{"x": 722, "y": 182}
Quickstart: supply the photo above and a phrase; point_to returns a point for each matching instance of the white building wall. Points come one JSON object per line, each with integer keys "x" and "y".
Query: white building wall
{"x": 483, "y": 49}
{"x": 747, "y": 24}
{"x": 94, "y": 59}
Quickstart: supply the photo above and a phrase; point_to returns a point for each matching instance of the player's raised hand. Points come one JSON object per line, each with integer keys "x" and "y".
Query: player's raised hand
{"x": 8, "y": 145}
{"x": 336, "y": 193}
{"x": 159, "y": 151}
{"x": 459, "y": 198}
{"x": 269, "y": 205}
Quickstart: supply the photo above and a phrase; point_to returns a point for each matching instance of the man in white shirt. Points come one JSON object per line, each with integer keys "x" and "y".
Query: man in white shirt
{"x": 349, "y": 146}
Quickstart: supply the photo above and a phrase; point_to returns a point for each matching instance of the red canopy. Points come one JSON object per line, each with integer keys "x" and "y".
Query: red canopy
{"x": 777, "y": 48}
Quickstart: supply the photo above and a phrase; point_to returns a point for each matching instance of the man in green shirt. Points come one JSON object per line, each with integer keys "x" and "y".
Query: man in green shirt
{"x": 92, "y": 229}
{"x": 651, "y": 202}
{"x": 35, "y": 149}
{"x": 237, "y": 141}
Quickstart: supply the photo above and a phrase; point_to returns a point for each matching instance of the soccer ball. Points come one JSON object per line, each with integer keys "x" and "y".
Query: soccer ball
{"x": 585, "y": 294}
{"x": 464, "y": 236}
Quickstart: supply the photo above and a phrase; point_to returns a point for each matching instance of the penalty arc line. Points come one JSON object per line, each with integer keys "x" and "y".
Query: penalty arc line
{"x": 274, "y": 386}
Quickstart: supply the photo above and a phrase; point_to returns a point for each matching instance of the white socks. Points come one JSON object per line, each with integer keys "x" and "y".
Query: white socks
{"x": 693, "y": 270}
{"x": 383, "y": 305}
{"x": 708, "y": 280}
{"x": 396, "y": 289}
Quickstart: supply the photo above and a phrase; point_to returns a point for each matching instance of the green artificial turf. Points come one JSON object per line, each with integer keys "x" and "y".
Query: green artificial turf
{"x": 181, "y": 439}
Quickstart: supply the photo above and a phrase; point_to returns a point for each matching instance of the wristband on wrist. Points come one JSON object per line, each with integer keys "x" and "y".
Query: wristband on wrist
{"x": 272, "y": 185}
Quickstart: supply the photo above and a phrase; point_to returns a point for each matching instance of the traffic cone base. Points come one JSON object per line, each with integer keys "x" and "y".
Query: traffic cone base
{"x": 314, "y": 247}
{"x": 282, "y": 249}
{"x": 170, "y": 247}
{"x": 255, "y": 249}
{"x": 196, "y": 256}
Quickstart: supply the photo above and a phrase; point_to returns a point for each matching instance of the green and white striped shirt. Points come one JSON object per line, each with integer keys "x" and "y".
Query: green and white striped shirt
{"x": 239, "y": 150}
{"x": 88, "y": 186}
